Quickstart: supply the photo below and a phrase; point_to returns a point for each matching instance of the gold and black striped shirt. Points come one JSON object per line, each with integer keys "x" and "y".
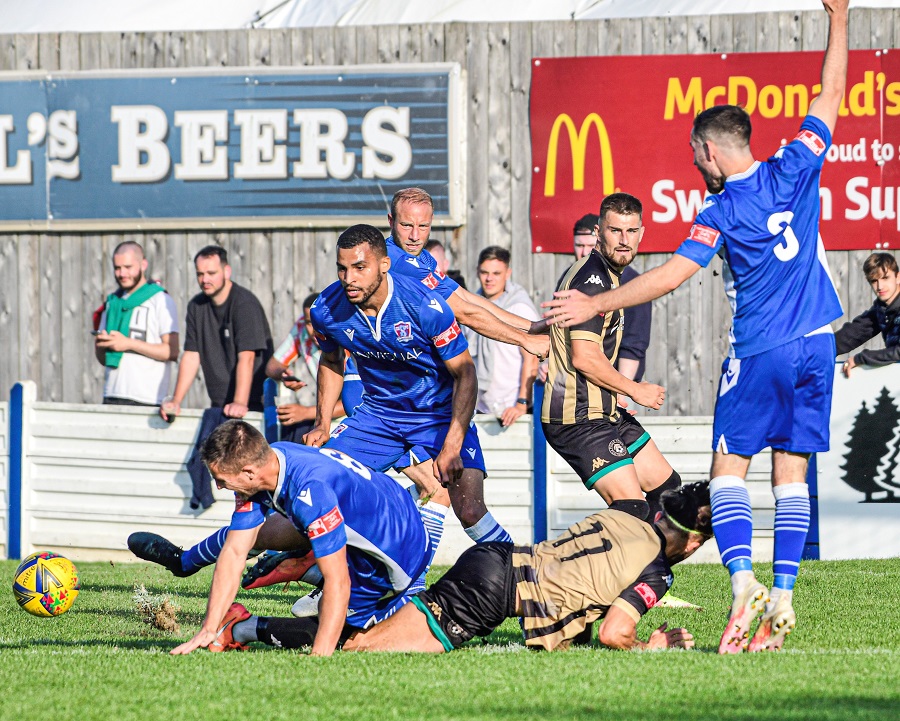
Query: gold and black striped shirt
{"x": 569, "y": 397}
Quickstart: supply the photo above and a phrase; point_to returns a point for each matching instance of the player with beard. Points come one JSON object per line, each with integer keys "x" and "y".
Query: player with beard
{"x": 606, "y": 446}
{"x": 763, "y": 219}
{"x": 418, "y": 376}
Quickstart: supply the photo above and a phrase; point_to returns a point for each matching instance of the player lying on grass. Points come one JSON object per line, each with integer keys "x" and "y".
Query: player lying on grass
{"x": 610, "y": 565}
{"x": 368, "y": 540}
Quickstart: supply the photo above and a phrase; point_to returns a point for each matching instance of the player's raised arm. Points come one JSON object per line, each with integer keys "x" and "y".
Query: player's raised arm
{"x": 834, "y": 66}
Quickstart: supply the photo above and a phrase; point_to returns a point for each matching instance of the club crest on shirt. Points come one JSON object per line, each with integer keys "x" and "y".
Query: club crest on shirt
{"x": 403, "y": 329}
{"x": 617, "y": 448}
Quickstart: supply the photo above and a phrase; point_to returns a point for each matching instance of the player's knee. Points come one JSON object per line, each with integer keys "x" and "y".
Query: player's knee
{"x": 672, "y": 483}
{"x": 633, "y": 507}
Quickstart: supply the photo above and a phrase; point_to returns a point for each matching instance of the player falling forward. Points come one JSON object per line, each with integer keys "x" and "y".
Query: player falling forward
{"x": 367, "y": 538}
{"x": 763, "y": 218}
{"x": 610, "y": 566}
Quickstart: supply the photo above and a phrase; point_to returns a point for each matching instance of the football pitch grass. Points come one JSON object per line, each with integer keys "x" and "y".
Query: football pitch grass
{"x": 99, "y": 661}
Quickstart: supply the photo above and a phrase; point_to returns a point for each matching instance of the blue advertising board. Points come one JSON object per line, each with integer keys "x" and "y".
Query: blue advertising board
{"x": 279, "y": 147}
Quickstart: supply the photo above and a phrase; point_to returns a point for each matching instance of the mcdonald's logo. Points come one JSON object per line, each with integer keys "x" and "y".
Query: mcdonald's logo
{"x": 578, "y": 141}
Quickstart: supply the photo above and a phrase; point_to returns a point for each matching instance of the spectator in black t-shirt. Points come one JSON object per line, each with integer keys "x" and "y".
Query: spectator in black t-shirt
{"x": 227, "y": 335}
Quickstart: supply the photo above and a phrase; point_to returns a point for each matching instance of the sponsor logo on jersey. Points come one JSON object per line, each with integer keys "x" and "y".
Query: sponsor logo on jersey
{"x": 704, "y": 234}
{"x": 435, "y": 305}
{"x": 708, "y": 203}
{"x": 242, "y": 505}
{"x": 595, "y": 280}
{"x": 471, "y": 452}
{"x": 409, "y": 355}
{"x": 447, "y": 337}
{"x": 812, "y": 141}
{"x": 645, "y": 592}
{"x": 306, "y": 497}
{"x": 325, "y": 524}
{"x": 340, "y": 429}
{"x": 617, "y": 448}
{"x": 598, "y": 463}
{"x": 403, "y": 329}
{"x": 430, "y": 281}
{"x": 349, "y": 333}
{"x": 436, "y": 610}
{"x": 730, "y": 376}
{"x": 412, "y": 261}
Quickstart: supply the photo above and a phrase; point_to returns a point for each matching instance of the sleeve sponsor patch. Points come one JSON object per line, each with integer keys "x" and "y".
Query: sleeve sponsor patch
{"x": 647, "y": 594}
{"x": 325, "y": 524}
{"x": 430, "y": 281}
{"x": 447, "y": 337}
{"x": 242, "y": 505}
{"x": 704, "y": 234}
{"x": 811, "y": 141}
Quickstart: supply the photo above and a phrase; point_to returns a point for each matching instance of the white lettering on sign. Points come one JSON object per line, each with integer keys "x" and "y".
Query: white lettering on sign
{"x": 201, "y": 157}
{"x": 20, "y": 170}
{"x": 263, "y": 154}
{"x": 385, "y": 132}
{"x": 143, "y": 155}
{"x": 323, "y": 132}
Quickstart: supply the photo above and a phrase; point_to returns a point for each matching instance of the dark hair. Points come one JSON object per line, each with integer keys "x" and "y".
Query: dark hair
{"x": 585, "y": 224}
{"x": 212, "y": 250}
{"x": 622, "y": 204}
{"x": 877, "y": 264}
{"x": 234, "y": 445}
{"x": 688, "y": 507}
{"x": 434, "y": 244}
{"x": 494, "y": 252}
{"x": 410, "y": 195}
{"x": 309, "y": 300}
{"x": 728, "y": 121}
{"x": 358, "y": 234}
{"x": 129, "y": 245}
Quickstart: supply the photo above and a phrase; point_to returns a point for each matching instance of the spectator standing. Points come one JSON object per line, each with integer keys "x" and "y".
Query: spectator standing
{"x": 227, "y": 335}
{"x": 505, "y": 372}
{"x": 883, "y": 317}
{"x": 439, "y": 253}
{"x": 137, "y": 334}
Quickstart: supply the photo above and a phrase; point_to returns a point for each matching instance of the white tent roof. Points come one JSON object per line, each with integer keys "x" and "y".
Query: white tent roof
{"x": 29, "y": 16}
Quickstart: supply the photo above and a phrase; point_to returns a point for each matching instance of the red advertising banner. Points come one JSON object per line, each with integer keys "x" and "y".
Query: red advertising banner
{"x": 606, "y": 124}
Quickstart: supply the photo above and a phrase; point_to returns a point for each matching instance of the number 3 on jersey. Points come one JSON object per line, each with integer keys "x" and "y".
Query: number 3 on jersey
{"x": 790, "y": 246}
{"x": 348, "y": 462}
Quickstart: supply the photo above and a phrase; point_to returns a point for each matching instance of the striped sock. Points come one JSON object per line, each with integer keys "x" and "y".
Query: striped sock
{"x": 732, "y": 522}
{"x": 487, "y": 529}
{"x": 204, "y": 553}
{"x": 433, "y": 515}
{"x": 791, "y": 526}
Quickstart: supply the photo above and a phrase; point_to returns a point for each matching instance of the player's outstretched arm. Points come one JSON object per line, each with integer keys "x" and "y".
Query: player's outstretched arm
{"x": 619, "y": 630}
{"x": 484, "y": 322}
{"x": 572, "y": 307}
{"x": 225, "y": 584}
{"x": 329, "y": 381}
{"x": 334, "y": 603}
{"x": 516, "y": 321}
{"x": 834, "y": 66}
{"x": 588, "y": 359}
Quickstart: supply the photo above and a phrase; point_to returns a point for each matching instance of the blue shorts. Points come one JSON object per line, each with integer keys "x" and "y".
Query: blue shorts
{"x": 780, "y": 398}
{"x": 380, "y": 443}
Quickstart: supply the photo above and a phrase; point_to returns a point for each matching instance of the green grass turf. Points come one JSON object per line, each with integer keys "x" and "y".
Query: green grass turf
{"x": 99, "y": 661}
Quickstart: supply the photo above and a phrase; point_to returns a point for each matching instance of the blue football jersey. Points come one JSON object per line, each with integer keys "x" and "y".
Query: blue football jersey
{"x": 400, "y": 353}
{"x": 337, "y": 502}
{"x": 422, "y": 267}
{"x": 765, "y": 225}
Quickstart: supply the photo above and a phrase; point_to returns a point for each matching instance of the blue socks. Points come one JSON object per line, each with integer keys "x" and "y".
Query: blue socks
{"x": 732, "y": 521}
{"x": 487, "y": 529}
{"x": 791, "y": 526}
{"x": 433, "y": 515}
{"x": 204, "y": 553}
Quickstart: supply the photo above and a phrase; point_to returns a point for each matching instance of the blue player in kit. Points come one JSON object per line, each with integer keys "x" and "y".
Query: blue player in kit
{"x": 763, "y": 219}
{"x": 418, "y": 376}
{"x": 365, "y": 531}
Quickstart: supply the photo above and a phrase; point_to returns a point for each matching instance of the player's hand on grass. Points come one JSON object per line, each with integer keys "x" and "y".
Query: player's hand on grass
{"x": 235, "y": 410}
{"x": 448, "y": 467}
{"x": 665, "y": 637}
{"x": 570, "y": 307}
{"x": 315, "y": 438}
{"x": 202, "y": 639}
{"x": 649, "y": 395}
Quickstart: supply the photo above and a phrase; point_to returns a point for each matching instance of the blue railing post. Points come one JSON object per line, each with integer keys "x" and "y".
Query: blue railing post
{"x": 14, "y": 517}
{"x": 539, "y": 448}
{"x": 270, "y": 414}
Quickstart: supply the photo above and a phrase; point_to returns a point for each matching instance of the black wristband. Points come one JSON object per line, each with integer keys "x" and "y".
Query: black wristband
{"x": 523, "y": 401}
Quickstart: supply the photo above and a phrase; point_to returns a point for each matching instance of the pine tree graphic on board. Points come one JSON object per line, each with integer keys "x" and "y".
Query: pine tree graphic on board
{"x": 872, "y": 451}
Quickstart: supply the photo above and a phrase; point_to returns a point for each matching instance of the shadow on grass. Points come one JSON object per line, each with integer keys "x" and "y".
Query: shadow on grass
{"x": 150, "y": 644}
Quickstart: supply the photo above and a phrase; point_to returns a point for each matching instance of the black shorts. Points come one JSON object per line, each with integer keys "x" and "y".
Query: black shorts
{"x": 597, "y": 447}
{"x": 473, "y": 597}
